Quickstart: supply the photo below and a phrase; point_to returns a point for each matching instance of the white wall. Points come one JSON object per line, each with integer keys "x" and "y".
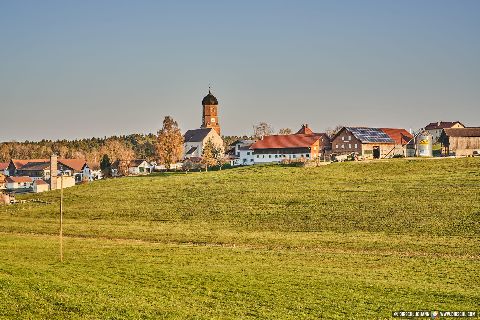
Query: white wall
{"x": 269, "y": 158}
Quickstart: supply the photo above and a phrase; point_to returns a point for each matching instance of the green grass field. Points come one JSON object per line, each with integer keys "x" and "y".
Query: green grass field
{"x": 348, "y": 240}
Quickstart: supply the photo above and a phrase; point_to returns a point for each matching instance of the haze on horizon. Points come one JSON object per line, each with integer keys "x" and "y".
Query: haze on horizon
{"x": 84, "y": 69}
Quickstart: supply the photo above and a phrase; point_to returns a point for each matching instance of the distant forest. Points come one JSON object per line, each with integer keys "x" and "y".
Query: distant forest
{"x": 133, "y": 146}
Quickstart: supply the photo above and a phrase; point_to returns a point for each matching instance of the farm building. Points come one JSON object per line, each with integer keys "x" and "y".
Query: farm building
{"x": 277, "y": 148}
{"x": 373, "y": 143}
{"x": 40, "y": 186}
{"x": 15, "y": 183}
{"x": 460, "y": 141}
{"x": 435, "y": 128}
{"x": 195, "y": 140}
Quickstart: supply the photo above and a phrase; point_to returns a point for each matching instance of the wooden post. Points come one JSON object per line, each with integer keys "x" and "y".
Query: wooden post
{"x": 61, "y": 218}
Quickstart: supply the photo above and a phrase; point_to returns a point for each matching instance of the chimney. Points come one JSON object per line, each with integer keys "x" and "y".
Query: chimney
{"x": 53, "y": 171}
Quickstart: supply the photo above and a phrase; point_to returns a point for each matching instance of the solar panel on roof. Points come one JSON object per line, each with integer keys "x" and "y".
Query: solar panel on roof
{"x": 370, "y": 135}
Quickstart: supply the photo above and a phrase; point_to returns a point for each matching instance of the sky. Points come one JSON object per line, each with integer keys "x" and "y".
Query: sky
{"x": 76, "y": 69}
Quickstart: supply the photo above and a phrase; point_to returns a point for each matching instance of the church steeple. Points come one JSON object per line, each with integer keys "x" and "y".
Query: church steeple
{"x": 210, "y": 114}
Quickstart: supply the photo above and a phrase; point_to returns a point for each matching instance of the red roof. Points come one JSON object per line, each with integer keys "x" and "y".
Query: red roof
{"x": 75, "y": 164}
{"x": 40, "y": 181}
{"x": 305, "y": 129}
{"x": 442, "y": 125}
{"x": 3, "y": 165}
{"x": 400, "y": 136}
{"x": 286, "y": 141}
{"x": 19, "y": 179}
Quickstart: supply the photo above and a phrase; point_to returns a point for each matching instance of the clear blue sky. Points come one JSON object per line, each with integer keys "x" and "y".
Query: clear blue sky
{"x": 93, "y": 68}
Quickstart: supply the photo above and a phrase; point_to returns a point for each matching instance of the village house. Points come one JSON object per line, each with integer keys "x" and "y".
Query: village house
{"x": 19, "y": 183}
{"x": 460, "y": 141}
{"x": 373, "y": 143}
{"x": 40, "y": 168}
{"x": 241, "y": 154}
{"x": 133, "y": 167}
{"x": 435, "y": 128}
{"x": 291, "y": 147}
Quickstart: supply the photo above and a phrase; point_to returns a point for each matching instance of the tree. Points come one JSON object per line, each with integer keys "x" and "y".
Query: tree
{"x": 105, "y": 165}
{"x": 285, "y": 131}
{"x": 261, "y": 130}
{"x": 169, "y": 145}
{"x": 331, "y": 132}
{"x": 208, "y": 154}
{"x": 218, "y": 155}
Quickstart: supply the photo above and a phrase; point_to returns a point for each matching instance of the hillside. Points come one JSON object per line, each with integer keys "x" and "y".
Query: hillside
{"x": 337, "y": 241}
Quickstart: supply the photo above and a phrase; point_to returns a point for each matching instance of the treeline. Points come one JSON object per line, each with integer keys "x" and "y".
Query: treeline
{"x": 92, "y": 149}
{"x": 133, "y": 146}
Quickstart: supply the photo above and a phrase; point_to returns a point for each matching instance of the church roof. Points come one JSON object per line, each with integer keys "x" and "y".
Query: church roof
{"x": 209, "y": 99}
{"x": 196, "y": 135}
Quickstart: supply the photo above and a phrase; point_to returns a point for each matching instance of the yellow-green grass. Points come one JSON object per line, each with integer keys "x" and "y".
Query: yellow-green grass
{"x": 348, "y": 240}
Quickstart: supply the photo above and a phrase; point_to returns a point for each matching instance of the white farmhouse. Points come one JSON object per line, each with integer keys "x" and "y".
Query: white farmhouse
{"x": 243, "y": 155}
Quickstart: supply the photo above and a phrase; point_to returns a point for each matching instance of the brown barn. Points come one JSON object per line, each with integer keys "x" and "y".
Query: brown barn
{"x": 373, "y": 143}
{"x": 460, "y": 141}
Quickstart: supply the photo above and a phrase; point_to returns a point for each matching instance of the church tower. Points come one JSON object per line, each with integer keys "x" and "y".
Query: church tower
{"x": 210, "y": 114}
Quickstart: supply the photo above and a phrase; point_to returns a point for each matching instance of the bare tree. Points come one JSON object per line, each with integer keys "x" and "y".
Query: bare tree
{"x": 169, "y": 146}
{"x": 331, "y": 132}
{"x": 261, "y": 130}
{"x": 285, "y": 131}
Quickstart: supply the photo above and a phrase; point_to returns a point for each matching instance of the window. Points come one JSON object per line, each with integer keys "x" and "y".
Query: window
{"x": 258, "y": 156}
{"x": 336, "y": 146}
{"x": 276, "y": 156}
{"x": 251, "y": 160}
{"x": 349, "y": 146}
{"x": 269, "y": 155}
{"x": 294, "y": 156}
{"x": 355, "y": 145}
{"x": 308, "y": 156}
{"x": 343, "y": 146}
{"x": 349, "y": 138}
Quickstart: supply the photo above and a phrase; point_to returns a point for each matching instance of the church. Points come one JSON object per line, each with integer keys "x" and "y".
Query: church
{"x": 195, "y": 140}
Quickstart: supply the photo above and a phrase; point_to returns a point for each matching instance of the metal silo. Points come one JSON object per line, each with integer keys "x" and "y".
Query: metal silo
{"x": 424, "y": 145}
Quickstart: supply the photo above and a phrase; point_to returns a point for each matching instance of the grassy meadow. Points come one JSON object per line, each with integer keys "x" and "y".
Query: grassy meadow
{"x": 353, "y": 240}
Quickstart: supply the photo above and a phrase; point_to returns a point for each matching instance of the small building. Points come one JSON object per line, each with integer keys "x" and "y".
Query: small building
{"x": 460, "y": 141}
{"x": 195, "y": 140}
{"x": 241, "y": 154}
{"x": 139, "y": 167}
{"x": 16, "y": 183}
{"x": 40, "y": 186}
{"x": 133, "y": 167}
{"x": 291, "y": 147}
{"x": 435, "y": 128}
{"x": 371, "y": 143}
{"x": 4, "y": 168}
